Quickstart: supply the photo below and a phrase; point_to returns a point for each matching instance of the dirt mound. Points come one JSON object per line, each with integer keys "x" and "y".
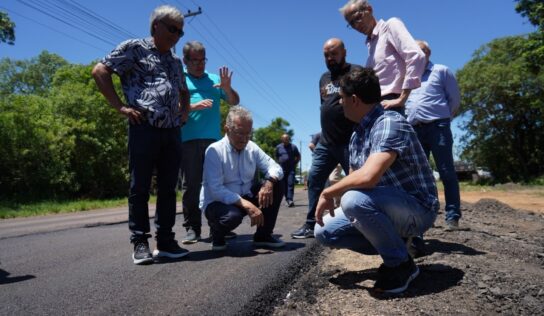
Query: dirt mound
{"x": 493, "y": 265}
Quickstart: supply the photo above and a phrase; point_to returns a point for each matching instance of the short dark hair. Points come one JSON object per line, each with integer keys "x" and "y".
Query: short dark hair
{"x": 363, "y": 83}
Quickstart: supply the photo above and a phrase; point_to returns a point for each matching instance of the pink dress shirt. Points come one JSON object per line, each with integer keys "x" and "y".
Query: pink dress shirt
{"x": 395, "y": 57}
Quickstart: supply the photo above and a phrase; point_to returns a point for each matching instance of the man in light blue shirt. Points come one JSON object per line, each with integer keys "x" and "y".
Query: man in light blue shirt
{"x": 202, "y": 128}
{"x": 229, "y": 191}
{"x": 429, "y": 110}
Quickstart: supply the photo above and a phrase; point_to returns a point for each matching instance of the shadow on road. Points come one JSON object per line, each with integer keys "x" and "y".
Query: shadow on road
{"x": 433, "y": 278}
{"x": 240, "y": 247}
{"x": 5, "y": 279}
{"x": 435, "y": 245}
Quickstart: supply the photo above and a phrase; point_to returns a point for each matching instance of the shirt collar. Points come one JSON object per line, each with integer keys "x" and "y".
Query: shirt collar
{"x": 379, "y": 25}
{"x": 430, "y": 66}
{"x": 369, "y": 119}
{"x": 204, "y": 75}
{"x": 229, "y": 147}
{"x": 150, "y": 44}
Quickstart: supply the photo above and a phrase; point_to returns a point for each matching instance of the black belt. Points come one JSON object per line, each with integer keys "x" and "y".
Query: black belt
{"x": 391, "y": 96}
{"x": 421, "y": 124}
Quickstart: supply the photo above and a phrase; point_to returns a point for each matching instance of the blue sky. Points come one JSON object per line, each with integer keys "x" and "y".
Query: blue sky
{"x": 273, "y": 47}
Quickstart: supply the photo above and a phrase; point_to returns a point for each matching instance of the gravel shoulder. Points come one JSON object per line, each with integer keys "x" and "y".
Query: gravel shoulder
{"x": 493, "y": 265}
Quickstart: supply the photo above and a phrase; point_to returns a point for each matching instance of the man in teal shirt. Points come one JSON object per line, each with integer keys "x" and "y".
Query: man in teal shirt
{"x": 202, "y": 128}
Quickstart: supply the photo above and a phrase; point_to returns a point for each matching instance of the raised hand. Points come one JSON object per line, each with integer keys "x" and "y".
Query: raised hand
{"x": 225, "y": 75}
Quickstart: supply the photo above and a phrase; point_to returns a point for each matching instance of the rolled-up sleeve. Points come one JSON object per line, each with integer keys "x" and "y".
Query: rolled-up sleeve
{"x": 213, "y": 179}
{"x": 121, "y": 59}
{"x": 452, "y": 91}
{"x": 268, "y": 166}
{"x": 407, "y": 48}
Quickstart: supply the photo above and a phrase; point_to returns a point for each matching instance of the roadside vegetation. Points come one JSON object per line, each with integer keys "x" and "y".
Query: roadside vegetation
{"x": 18, "y": 209}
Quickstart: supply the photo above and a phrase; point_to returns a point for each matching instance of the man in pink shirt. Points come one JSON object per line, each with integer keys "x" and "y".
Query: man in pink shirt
{"x": 392, "y": 53}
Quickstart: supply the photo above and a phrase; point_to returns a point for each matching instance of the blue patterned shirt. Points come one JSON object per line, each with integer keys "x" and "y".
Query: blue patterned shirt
{"x": 382, "y": 131}
{"x": 151, "y": 81}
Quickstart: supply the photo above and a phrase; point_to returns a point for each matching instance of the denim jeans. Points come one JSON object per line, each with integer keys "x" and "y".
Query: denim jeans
{"x": 376, "y": 220}
{"x": 436, "y": 138}
{"x": 192, "y": 167}
{"x": 324, "y": 160}
{"x": 224, "y": 218}
{"x": 150, "y": 149}
{"x": 288, "y": 182}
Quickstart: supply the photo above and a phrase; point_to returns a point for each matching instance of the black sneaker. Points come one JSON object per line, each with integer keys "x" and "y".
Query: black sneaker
{"x": 191, "y": 237}
{"x": 219, "y": 245}
{"x": 305, "y": 231}
{"x": 395, "y": 280}
{"x": 290, "y": 204}
{"x": 169, "y": 249}
{"x": 268, "y": 241}
{"x": 141, "y": 254}
{"x": 230, "y": 235}
{"x": 415, "y": 246}
{"x": 452, "y": 224}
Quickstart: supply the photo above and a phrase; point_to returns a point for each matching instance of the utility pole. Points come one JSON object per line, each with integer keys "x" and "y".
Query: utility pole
{"x": 189, "y": 13}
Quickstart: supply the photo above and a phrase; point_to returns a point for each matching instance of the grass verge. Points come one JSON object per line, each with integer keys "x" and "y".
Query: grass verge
{"x": 10, "y": 209}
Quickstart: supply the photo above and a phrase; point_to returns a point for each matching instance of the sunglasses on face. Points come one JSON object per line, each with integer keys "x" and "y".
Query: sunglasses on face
{"x": 172, "y": 29}
{"x": 357, "y": 17}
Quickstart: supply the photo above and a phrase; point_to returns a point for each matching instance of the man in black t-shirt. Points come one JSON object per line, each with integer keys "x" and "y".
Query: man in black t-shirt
{"x": 336, "y": 130}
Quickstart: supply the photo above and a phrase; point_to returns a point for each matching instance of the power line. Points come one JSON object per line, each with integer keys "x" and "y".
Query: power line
{"x": 68, "y": 15}
{"x": 269, "y": 91}
{"x": 86, "y": 11}
{"x": 67, "y": 23}
{"x": 54, "y": 30}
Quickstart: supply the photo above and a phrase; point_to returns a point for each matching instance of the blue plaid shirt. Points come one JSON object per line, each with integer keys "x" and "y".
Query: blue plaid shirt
{"x": 382, "y": 131}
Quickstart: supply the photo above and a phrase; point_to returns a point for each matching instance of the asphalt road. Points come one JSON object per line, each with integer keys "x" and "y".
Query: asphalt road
{"x": 81, "y": 264}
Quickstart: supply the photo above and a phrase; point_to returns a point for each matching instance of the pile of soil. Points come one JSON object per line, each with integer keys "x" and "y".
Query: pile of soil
{"x": 494, "y": 264}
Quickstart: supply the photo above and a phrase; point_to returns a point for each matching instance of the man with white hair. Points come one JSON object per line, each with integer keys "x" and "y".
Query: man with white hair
{"x": 229, "y": 190}
{"x": 392, "y": 53}
{"x": 156, "y": 105}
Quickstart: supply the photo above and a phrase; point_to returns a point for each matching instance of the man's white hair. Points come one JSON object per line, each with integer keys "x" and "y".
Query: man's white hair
{"x": 360, "y": 4}
{"x": 237, "y": 112}
{"x": 164, "y": 11}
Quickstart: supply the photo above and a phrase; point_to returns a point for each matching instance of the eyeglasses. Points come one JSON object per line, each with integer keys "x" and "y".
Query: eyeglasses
{"x": 240, "y": 134}
{"x": 195, "y": 62}
{"x": 357, "y": 17}
{"x": 172, "y": 29}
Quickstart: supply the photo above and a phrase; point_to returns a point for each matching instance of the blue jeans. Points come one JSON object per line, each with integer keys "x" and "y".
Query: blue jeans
{"x": 224, "y": 218}
{"x": 376, "y": 221}
{"x": 149, "y": 149}
{"x": 192, "y": 167}
{"x": 436, "y": 138}
{"x": 288, "y": 182}
{"x": 324, "y": 159}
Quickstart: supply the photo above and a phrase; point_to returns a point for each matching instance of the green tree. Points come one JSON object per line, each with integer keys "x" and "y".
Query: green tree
{"x": 99, "y": 155}
{"x": 7, "y": 29}
{"x": 58, "y": 135}
{"x": 35, "y": 149}
{"x": 224, "y": 109}
{"x": 32, "y": 76}
{"x": 270, "y": 136}
{"x": 505, "y": 105}
{"x": 534, "y": 51}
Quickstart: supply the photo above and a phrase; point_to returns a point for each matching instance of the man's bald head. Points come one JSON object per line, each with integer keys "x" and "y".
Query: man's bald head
{"x": 333, "y": 43}
{"x": 335, "y": 54}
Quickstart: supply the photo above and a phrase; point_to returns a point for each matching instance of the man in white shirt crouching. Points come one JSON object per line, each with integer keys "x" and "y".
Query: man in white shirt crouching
{"x": 229, "y": 191}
